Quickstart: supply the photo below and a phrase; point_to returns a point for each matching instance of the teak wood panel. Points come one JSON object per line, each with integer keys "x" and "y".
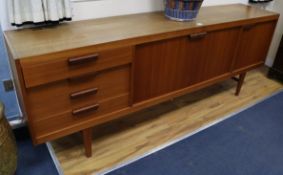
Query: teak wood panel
{"x": 159, "y": 68}
{"x": 165, "y": 66}
{"x": 254, "y": 44}
{"x": 41, "y": 71}
{"x": 52, "y": 99}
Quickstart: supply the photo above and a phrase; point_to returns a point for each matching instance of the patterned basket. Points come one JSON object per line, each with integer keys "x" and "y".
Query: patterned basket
{"x": 182, "y": 10}
{"x": 8, "y": 149}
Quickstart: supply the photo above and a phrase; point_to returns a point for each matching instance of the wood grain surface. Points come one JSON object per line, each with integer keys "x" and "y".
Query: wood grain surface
{"x": 169, "y": 65}
{"x": 99, "y": 34}
{"x": 124, "y": 139}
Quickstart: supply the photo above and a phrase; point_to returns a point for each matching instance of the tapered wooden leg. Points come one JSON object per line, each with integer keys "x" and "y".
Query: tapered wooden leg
{"x": 87, "y": 139}
{"x": 240, "y": 83}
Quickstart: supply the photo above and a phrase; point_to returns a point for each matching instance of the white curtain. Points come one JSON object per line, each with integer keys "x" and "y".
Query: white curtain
{"x": 36, "y": 11}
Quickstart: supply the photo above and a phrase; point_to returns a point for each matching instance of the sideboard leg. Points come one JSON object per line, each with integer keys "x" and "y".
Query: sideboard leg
{"x": 87, "y": 139}
{"x": 240, "y": 83}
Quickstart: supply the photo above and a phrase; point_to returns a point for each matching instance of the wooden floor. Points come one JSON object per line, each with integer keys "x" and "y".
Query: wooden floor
{"x": 140, "y": 133}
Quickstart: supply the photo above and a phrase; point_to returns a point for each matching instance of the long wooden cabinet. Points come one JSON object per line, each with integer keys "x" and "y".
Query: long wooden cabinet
{"x": 73, "y": 77}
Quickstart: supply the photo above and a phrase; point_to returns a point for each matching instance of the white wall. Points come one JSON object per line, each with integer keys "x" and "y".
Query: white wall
{"x": 103, "y": 8}
{"x": 3, "y": 15}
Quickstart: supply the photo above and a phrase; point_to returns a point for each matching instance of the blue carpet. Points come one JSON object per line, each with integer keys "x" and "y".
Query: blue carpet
{"x": 33, "y": 160}
{"x": 250, "y": 143}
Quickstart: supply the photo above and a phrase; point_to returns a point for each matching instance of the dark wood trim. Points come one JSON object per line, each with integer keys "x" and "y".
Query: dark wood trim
{"x": 82, "y": 59}
{"x": 87, "y": 140}
{"x": 240, "y": 83}
{"x": 197, "y": 36}
{"x": 83, "y": 93}
{"x": 91, "y": 108}
{"x": 248, "y": 26}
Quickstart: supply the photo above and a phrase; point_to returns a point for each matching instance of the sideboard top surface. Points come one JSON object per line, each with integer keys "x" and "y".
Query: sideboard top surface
{"x": 124, "y": 30}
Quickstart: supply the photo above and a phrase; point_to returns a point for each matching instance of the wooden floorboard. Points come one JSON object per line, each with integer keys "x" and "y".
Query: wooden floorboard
{"x": 137, "y": 134}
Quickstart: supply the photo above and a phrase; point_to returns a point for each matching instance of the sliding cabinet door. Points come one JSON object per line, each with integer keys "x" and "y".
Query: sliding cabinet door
{"x": 212, "y": 54}
{"x": 166, "y": 66}
{"x": 160, "y": 67}
{"x": 254, "y": 45}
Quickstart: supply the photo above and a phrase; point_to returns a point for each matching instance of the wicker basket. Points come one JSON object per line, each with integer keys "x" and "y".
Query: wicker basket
{"x": 182, "y": 10}
{"x": 8, "y": 149}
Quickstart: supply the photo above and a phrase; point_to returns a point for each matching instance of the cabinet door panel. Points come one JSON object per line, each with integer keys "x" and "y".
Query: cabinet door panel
{"x": 254, "y": 45}
{"x": 213, "y": 55}
{"x": 166, "y": 66}
{"x": 159, "y": 68}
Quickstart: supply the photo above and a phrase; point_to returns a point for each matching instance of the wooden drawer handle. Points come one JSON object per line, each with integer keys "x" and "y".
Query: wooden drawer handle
{"x": 85, "y": 109}
{"x": 83, "y": 93}
{"x": 197, "y": 36}
{"x": 83, "y": 59}
{"x": 249, "y": 26}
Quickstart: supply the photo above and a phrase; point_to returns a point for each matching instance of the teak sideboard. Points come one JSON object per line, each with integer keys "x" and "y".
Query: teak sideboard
{"x": 78, "y": 75}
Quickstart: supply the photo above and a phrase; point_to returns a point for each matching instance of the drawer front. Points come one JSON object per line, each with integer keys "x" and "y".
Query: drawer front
{"x": 40, "y": 71}
{"x": 60, "y": 97}
{"x": 67, "y": 119}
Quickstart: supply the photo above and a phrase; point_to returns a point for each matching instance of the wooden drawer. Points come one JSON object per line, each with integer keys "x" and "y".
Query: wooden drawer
{"x": 40, "y": 71}
{"x": 57, "y": 98}
{"x": 67, "y": 119}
